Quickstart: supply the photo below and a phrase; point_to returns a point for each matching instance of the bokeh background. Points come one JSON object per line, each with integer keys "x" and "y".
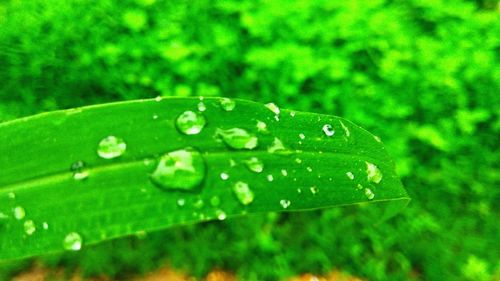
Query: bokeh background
{"x": 424, "y": 75}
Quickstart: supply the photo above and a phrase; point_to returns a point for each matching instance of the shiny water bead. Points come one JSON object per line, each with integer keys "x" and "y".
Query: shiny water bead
{"x": 373, "y": 173}
{"x": 19, "y": 213}
{"x": 29, "y": 227}
{"x": 111, "y": 147}
{"x": 243, "y": 192}
{"x": 238, "y": 138}
{"x": 72, "y": 241}
{"x": 79, "y": 170}
{"x": 227, "y": 104}
{"x": 328, "y": 130}
{"x": 350, "y": 175}
{"x": 180, "y": 169}
{"x": 285, "y": 203}
{"x": 190, "y": 122}
{"x": 254, "y": 164}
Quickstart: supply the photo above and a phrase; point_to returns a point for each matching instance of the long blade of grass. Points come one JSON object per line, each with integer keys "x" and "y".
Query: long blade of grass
{"x": 300, "y": 161}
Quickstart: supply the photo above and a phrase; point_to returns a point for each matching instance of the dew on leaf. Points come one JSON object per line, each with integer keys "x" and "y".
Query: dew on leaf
{"x": 350, "y": 175}
{"x": 328, "y": 130}
{"x": 201, "y": 106}
{"x": 19, "y": 213}
{"x": 292, "y": 113}
{"x": 220, "y": 214}
{"x": 261, "y": 126}
{"x": 29, "y": 227}
{"x": 224, "y": 176}
{"x": 72, "y": 241}
{"x": 227, "y": 104}
{"x": 238, "y": 138}
{"x": 309, "y": 169}
{"x": 181, "y": 202}
{"x": 182, "y": 169}
{"x": 79, "y": 170}
{"x": 111, "y": 147}
{"x": 277, "y": 145}
{"x": 243, "y": 192}
{"x": 314, "y": 189}
{"x": 254, "y": 164}
{"x": 284, "y": 172}
{"x": 302, "y": 136}
{"x": 298, "y": 160}
{"x": 45, "y": 225}
{"x": 373, "y": 173}
{"x": 273, "y": 107}
{"x": 285, "y": 203}
{"x": 190, "y": 122}
{"x": 369, "y": 194}
{"x": 270, "y": 178}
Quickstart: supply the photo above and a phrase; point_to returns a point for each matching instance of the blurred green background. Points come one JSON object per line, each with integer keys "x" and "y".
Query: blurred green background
{"x": 424, "y": 75}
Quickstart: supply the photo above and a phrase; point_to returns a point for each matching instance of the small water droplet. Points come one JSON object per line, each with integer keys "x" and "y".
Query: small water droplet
{"x": 155, "y": 116}
{"x": 292, "y": 113}
{"x": 45, "y": 225}
{"x": 273, "y": 107}
{"x": 158, "y": 98}
{"x": 298, "y": 160}
{"x": 285, "y": 203}
{"x": 220, "y": 214}
{"x": 284, "y": 172}
{"x": 180, "y": 169}
{"x": 238, "y": 138}
{"x": 299, "y": 190}
{"x": 270, "y": 178}
{"x": 190, "y": 122}
{"x": 314, "y": 189}
{"x": 181, "y": 202}
{"x": 198, "y": 203}
{"x": 359, "y": 186}
{"x": 227, "y": 104}
{"x": 377, "y": 138}
{"x": 19, "y": 213}
{"x": 201, "y": 106}
{"x": 277, "y": 145}
{"x": 369, "y": 194}
{"x": 29, "y": 227}
{"x": 302, "y": 136}
{"x": 350, "y": 175}
{"x": 215, "y": 201}
{"x": 72, "y": 241}
{"x": 243, "y": 192}
{"x": 255, "y": 165}
{"x": 261, "y": 126}
{"x": 111, "y": 147}
{"x": 224, "y": 176}
{"x": 373, "y": 173}
{"x": 79, "y": 170}
{"x": 309, "y": 169}
{"x": 346, "y": 130}
{"x": 328, "y": 130}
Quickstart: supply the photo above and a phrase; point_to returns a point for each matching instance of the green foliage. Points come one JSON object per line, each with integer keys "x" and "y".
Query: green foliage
{"x": 423, "y": 75}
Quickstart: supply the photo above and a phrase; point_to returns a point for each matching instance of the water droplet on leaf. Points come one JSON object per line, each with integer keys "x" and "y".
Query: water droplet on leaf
{"x": 79, "y": 170}
{"x": 243, "y": 192}
{"x": 19, "y": 213}
{"x": 111, "y": 147}
{"x": 285, "y": 203}
{"x": 201, "y": 106}
{"x": 29, "y": 227}
{"x": 180, "y": 169}
{"x": 369, "y": 194}
{"x": 314, "y": 190}
{"x": 273, "y": 107}
{"x": 350, "y": 175}
{"x": 373, "y": 173}
{"x": 277, "y": 145}
{"x": 224, "y": 176}
{"x": 238, "y": 138}
{"x": 270, "y": 178}
{"x": 284, "y": 172}
{"x": 221, "y": 215}
{"x": 255, "y": 165}
{"x": 72, "y": 241}
{"x": 261, "y": 126}
{"x": 190, "y": 122}
{"x": 328, "y": 130}
{"x": 227, "y": 104}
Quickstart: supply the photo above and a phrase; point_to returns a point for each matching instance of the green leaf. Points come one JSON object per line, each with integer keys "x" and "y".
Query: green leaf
{"x": 95, "y": 173}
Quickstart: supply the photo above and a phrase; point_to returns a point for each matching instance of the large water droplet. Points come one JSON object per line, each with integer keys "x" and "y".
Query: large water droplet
{"x": 369, "y": 194}
{"x": 373, "y": 172}
{"x": 180, "y": 169}
{"x": 111, "y": 147}
{"x": 19, "y": 213}
{"x": 190, "y": 122}
{"x": 285, "y": 203}
{"x": 328, "y": 130}
{"x": 238, "y": 138}
{"x": 79, "y": 170}
{"x": 72, "y": 241}
{"x": 255, "y": 165}
{"x": 227, "y": 104}
{"x": 277, "y": 145}
{"x": 243, "y": 192}
{"x": 29, "y": 227}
